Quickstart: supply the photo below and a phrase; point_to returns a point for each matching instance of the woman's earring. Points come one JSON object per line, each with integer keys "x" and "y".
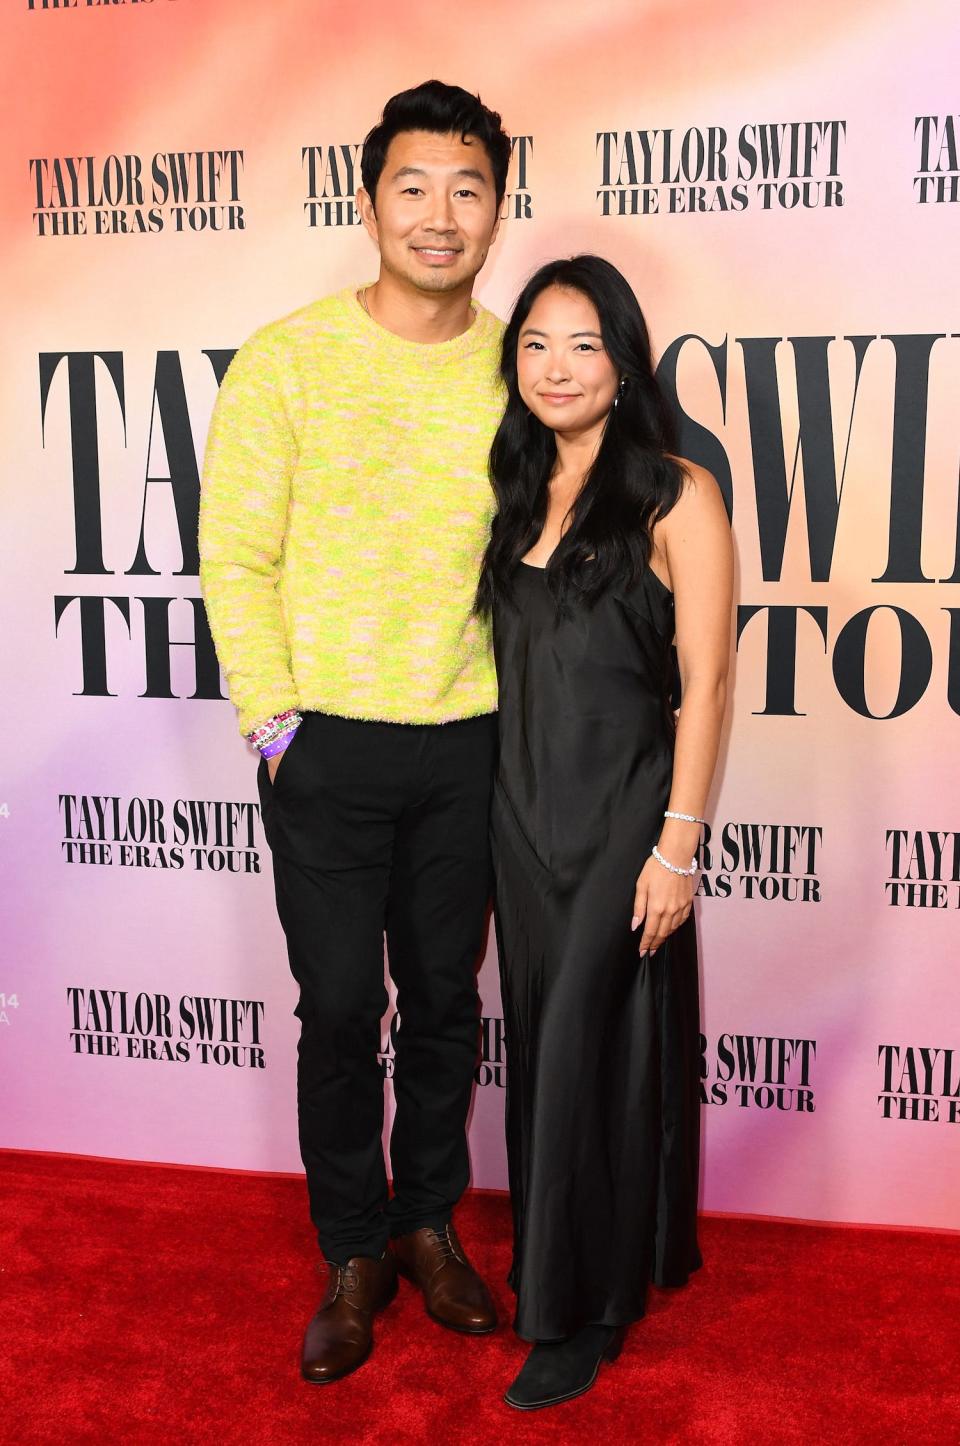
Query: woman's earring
{"x": 620, "y": 390}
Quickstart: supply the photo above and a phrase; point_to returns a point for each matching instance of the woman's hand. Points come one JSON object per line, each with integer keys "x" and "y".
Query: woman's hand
{"x": 661, "y": 903}
{"x": 273, "y": 764}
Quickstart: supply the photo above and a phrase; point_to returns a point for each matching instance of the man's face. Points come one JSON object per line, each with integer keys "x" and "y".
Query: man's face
{"x": 436, "y": 210}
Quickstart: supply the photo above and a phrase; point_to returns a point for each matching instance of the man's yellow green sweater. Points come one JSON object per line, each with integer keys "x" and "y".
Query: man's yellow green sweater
{"x": 343, "y": 516}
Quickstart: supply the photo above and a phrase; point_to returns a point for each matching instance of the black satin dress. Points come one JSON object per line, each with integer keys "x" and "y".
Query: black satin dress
{"x": 602, "y": 1046}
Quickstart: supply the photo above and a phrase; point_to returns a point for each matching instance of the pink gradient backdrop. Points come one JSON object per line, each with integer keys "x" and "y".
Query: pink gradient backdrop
{"x": 849, "y": 972}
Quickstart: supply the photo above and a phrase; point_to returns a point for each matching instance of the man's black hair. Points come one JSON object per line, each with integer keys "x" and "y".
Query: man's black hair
{"x": 444, "y": 110}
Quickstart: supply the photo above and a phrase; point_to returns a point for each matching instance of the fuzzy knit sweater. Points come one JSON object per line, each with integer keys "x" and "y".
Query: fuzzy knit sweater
{"x": 344, "y": 512}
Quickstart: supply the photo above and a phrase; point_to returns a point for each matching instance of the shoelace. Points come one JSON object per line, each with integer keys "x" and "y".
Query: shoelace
{"x": 345, "y": 1279}
{"x": 448, "y": 1244}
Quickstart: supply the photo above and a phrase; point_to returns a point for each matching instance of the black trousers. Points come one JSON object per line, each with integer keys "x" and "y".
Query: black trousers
{"x": 383, "y": 827}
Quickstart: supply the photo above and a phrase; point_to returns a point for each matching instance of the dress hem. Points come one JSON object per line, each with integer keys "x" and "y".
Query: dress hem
{"x": 677, "y": 1283}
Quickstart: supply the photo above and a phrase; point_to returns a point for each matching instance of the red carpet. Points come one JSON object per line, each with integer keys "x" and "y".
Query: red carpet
{"x": 146, "y": 1304}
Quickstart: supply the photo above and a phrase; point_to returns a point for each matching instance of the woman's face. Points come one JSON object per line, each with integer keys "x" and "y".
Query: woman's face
{"x": 566, "y": 377}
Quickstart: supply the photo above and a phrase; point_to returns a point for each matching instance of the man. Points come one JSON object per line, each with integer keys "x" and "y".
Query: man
{"x": 344, "y": 513}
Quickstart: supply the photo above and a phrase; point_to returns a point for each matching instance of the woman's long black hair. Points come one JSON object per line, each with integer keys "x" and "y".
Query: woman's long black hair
{"x": 632, "y": 481}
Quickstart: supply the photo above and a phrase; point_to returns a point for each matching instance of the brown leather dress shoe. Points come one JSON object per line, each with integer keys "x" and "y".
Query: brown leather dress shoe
{"x": 454, "y": 1293}
{"x": 340, "y": 1336}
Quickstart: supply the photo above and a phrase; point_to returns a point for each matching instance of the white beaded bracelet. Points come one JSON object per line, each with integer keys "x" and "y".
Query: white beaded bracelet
{"x": 674, "y": 869}
{"x": 687, "y": 817}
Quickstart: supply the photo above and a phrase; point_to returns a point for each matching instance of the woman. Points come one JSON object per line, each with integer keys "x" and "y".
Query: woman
{"x": 605, "y": 549}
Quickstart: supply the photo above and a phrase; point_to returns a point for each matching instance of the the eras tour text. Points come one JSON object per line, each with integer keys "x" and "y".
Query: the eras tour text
{"x": 121, "y": 1024}
{"x": 130, "y": 194}
{"x": 773, "y": 166}
{"x": 758, "y": 1071}
{"x": 923, "y": 868}
{"x": 209, "y": 835}
{"x": 760, "y": 861}
{"x": 332, "y": 178}
{"x": 919, "y": 1083}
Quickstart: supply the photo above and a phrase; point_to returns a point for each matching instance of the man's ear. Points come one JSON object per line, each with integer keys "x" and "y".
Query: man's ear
{"x": 493, "y": 236}
{"x": 367, "y": 214}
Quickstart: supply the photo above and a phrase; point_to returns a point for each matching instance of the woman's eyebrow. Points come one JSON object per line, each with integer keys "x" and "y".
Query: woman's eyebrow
{"x": 533, "y": 331}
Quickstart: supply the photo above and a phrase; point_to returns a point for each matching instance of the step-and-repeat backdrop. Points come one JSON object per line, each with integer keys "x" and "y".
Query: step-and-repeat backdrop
{"x": 781, "y": 184}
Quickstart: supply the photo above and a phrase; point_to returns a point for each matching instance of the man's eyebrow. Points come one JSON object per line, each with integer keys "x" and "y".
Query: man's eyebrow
{"x": 466, "y": 172}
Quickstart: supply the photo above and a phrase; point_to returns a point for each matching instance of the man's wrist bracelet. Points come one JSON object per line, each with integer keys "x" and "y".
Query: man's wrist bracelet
{"x": 270, "y": 750}
{"x": 274, "y": 728}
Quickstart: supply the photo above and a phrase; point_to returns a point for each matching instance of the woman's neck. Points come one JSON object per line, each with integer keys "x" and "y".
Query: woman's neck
{"x": 576, "y": 454}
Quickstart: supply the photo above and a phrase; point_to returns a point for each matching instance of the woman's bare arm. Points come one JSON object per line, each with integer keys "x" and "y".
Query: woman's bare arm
{"x": 693, "y": 545}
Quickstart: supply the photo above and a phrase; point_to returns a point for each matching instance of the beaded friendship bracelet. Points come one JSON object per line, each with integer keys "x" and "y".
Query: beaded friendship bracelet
{"x": 274, "y": 728}
{"x": 687, "y": 817}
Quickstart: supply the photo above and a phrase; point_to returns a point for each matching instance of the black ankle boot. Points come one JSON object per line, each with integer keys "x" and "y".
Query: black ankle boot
{"x": 556, "y": 1371}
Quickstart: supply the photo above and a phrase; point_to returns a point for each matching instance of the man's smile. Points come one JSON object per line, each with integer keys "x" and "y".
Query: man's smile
{"x": 437, "y": 254}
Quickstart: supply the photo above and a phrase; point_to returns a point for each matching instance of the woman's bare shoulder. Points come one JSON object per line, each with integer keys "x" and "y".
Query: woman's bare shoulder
{"x": 697, "y": 482}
